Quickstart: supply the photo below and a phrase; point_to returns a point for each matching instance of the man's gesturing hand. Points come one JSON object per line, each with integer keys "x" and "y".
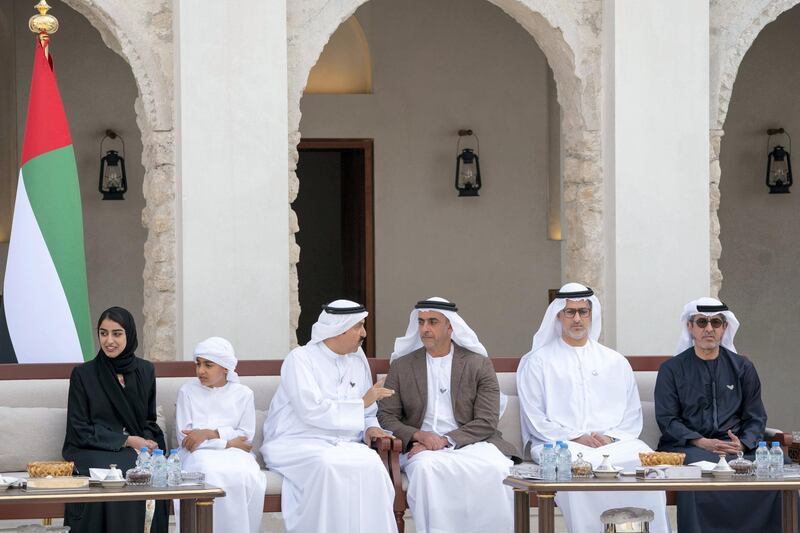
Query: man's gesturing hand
{"x": 376, "y": 392}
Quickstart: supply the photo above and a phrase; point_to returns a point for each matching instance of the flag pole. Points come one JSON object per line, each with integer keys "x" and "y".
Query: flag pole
{"x": 44, "y": 25}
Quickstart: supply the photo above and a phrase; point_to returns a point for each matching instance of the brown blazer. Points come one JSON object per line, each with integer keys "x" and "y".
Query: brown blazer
{"x": 474, "y": 391}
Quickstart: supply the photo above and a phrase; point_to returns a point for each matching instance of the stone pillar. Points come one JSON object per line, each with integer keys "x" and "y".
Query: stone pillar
{"x": 656, "y": 122}
{"x": 583, "y": 214}
{"x": 715, "y": 173}
{"x": 231, "y": 154}
{"x": 158, "y": 216}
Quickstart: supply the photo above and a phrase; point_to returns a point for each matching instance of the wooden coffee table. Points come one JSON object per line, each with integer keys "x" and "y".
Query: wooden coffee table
{"x": 546, "y": 491}
{"x": 197, "y": 503}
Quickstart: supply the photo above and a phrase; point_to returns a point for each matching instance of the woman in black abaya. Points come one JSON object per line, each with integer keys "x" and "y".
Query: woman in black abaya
{"x": 111, "y": 415}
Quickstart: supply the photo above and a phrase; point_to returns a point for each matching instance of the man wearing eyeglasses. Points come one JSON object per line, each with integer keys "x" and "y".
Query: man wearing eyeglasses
{"x": 708, "y": 402}
{"x": 573, "y": 389}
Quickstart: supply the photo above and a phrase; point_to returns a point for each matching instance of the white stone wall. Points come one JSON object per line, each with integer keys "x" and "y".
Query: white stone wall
{"x": 230, "y": 101}
{"x": 657, "y": 151}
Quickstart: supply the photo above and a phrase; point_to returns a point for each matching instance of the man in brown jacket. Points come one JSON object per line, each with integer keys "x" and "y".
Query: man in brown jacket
{"x": 445, "y": 410}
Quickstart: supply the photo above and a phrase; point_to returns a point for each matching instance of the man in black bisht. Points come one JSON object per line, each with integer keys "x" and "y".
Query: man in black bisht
{"x": 708, "y": 402}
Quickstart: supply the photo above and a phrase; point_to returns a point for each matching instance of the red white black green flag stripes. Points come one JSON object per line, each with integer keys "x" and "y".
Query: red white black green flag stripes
{"x": 45, "y": 291}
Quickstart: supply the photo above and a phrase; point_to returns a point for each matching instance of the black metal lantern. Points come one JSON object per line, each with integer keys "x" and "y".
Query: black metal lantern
{"x": 113, "y": 180}
{"x": 779, "y": 165}
{"x": 468, "y": 168}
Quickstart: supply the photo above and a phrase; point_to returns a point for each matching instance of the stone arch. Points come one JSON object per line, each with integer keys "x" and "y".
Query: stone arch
{"x": 141, "y": 33}
{"x": 569, "y": 37}
{"x": 733, "y": 31}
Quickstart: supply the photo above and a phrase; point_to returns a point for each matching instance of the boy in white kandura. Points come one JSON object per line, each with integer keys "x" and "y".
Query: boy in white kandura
{"x": 216, "y": 422}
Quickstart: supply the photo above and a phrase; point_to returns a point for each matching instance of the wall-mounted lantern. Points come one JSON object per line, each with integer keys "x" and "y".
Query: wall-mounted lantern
{"x": 468, "y": 169}
{"x": 779, "y": 164}
{"x": 113, "y": 180}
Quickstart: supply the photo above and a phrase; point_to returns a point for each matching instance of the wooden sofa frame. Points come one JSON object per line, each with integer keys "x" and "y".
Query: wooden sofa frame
{"x": 388, "y": 449}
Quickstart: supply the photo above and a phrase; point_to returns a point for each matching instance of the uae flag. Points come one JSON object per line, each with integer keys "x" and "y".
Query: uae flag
{"x": 45, "y": 295}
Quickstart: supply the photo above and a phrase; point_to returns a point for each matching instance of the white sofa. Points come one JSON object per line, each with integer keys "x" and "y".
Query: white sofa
{"x": 33, "y": 415}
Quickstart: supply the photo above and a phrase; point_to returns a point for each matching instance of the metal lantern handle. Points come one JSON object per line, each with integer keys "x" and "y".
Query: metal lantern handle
{"x": 111, "y": 134}
{"x": 778, "y": 131}
{"x": 468, "y": 133}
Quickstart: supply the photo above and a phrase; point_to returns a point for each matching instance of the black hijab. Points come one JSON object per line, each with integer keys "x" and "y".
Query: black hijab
{"x": 129, "y": 401}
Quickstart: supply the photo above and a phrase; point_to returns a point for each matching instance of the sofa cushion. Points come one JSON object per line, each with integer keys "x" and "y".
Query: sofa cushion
{"x": 34, "y": 392}
{"x": 650, "y": 432}
{"x": 646, "y": 383}
{"x": 36, "y": 434}
{"x": 274, "y": 482}
{"x": 30, "y": 434}
{"x": 509, "y": 424}
{"x": 258, "y": 439}
{"x": 508, "y": 383}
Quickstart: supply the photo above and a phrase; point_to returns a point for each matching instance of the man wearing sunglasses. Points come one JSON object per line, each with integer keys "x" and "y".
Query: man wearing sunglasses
{"x": 708, "y": 402}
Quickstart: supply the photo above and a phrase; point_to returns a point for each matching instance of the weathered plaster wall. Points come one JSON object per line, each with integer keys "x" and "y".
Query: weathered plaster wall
{"x": 8, "y": 124}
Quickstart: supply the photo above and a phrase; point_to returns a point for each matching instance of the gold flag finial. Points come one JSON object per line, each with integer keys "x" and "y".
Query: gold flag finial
{"x": 43, "y": 24}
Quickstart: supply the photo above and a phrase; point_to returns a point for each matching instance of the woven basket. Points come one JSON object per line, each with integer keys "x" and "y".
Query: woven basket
{"x": 662, "y": 458}
{"x": 50, "y": 468}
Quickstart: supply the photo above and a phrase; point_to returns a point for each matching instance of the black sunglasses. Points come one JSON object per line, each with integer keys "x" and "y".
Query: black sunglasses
{"x": 701, "y": 323}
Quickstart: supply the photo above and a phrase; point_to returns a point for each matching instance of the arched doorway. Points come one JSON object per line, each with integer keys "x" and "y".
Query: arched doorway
{"x": 732, "y": 34}
{"x": 759, "y": 240}
{"x": 583, "y": 251}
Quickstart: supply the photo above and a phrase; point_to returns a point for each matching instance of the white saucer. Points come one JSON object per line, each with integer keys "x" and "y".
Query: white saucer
{"x": 607, "y": 474}
{"x": 722, "y": 474}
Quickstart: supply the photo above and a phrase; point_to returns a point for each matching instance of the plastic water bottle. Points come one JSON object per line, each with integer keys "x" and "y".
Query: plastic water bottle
{"x": 548, "y": 462}
{"x": 173, "y": 468}
{"x": 776, "y": 460}
{"x": 143, "y": 460}
{"x": 762, "y": 461}
{"x": 159, "y": 469}
{"x": 564, "y": 463}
